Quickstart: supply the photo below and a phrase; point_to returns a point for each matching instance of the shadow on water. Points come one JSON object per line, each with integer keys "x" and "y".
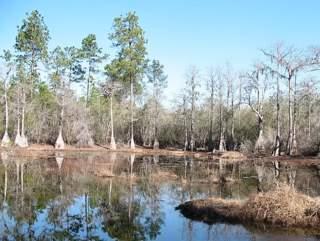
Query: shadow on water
{"x": 115, "y": 196}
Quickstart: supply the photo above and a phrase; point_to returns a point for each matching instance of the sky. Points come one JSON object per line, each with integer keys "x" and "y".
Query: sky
{"x": 180, "y": 33}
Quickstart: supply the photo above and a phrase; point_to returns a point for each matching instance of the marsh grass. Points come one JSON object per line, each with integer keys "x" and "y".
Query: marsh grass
{"x": 283, "y": 206}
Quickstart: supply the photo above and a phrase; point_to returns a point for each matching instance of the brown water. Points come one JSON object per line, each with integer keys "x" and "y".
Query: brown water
{"x": 113, "y": 196}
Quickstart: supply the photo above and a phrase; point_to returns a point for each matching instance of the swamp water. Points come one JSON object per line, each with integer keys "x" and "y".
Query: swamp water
{"x": 116, "y": 196}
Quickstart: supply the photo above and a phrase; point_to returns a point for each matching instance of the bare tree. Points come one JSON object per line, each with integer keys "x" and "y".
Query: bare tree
{"x": 212, "y": 86}
{"x": 192, "y": 85}
{"x": 239, "y": 100}
{"x": 276, "y": 147}
{"x": 309, "y": 96}
{"x": 229, "y": 77}
{"x": 256, "y": 87}
{"x": 185, "y": 126}
{"x": 22, "y": 87}
{"x": 232, "y": 112}
{"x": 289, "y": 61}
{"x": 222, "y": 143}
{"x": 5, "y": 77}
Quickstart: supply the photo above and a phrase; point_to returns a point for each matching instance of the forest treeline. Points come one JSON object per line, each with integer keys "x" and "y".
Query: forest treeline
{"x": 82, "y": 95}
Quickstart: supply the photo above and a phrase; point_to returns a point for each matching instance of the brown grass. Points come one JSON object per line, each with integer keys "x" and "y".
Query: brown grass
{"x": 211, "y": 210}
{"x": 282, "y": 206}
{"x": 39, "y": 148}
{"x": 233, "y": 155}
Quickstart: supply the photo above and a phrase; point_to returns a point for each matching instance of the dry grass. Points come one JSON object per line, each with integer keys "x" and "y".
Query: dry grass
{"x": 211, "y": 210}
{"x": 124, "y": 149}
{"x": 233, "y": 155}
{"x": 282, "y": 206}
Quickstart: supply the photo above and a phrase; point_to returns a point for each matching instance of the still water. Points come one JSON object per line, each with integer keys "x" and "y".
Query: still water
{"x": 114, "y": 196}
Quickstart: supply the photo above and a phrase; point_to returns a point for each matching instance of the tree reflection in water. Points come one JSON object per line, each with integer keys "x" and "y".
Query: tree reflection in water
{"x": 126, "y": 197}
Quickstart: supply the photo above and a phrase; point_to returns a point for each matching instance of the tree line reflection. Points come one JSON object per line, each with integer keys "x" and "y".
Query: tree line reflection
{"x": 122, "y": 197}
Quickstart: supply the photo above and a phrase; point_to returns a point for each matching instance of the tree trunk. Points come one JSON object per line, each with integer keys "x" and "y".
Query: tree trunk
{"x": 289, "y": 142}
{"x": 113, "y": 145}
{"x": 232, "y": 119}
{"x": 294, "y": 147}
{"x": 156, "y": 141}
{"x": 88, "y": 85}
{"x": 192, "y": 125}
{"x": 156, "y": 144}
{"x": 32, "y": 69}
{"x": 17, "y": 140}
{"x": 210, "y": 140}
{"x": 60, "y": 142}
{"x": 185, "y": 124}
{"x": 276, "y": 148}
{"x": 240, "y": 99}
{"x": 222, "y": 143}
{"x": 259, "y": 146}
{"x": 309, "y": 118}
{"x": 5, "y": 139}
{"x": 150, "y": 135}
{"x": 132, "y": 145}
{"x": 24, "y": 139}
{"x": 185, "y": 135}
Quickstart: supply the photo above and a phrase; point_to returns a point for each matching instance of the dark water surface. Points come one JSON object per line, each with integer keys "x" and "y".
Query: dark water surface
{"x": 113, "y": 196}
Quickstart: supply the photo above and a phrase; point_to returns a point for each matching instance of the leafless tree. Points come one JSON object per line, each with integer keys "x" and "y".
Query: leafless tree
{"x": 192, "y": 85}
{"x": 212, "y": 86}
{"x": 288, "y": 62}
{"x": 222, "y": 143}
{"x": 255, "y": 88}
{"x": 309, "y": 95}
{"x": 185, "y": 125}
{"x": 230, "y": 78}
{"x": 5, "y": 76}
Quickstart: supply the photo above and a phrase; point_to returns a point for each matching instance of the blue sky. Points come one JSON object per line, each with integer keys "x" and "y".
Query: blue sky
{"x": 180, "y": 33}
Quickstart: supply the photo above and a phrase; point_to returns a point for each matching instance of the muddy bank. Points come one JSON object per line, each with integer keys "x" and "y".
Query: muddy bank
{"x": 42, "y": 150}
{"x": 39, "y": 149}
{"x": 281, "y": 207}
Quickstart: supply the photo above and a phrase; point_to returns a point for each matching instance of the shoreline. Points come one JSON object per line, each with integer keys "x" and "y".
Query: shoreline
{"x": 38, "y": 148}
{"x": 231, "y": 156}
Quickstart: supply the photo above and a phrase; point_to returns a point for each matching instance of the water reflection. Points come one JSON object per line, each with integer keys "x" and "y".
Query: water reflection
{"x": 59, "y": 159}
{"x": 72, "y": 196}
